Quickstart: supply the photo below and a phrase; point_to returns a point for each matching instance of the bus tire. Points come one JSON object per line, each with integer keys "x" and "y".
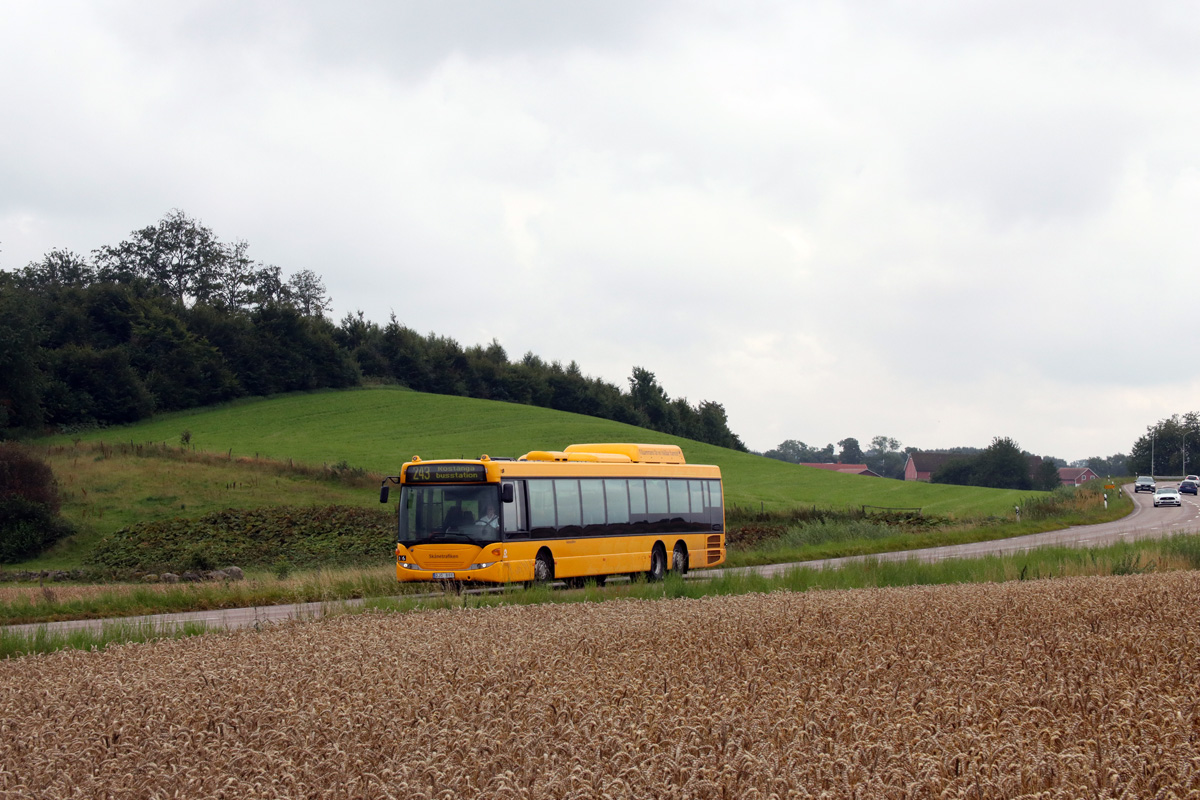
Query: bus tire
{"x": 543, "y": 568}
{"x": 658, "y": 563}
{"x": 679, "y": 560}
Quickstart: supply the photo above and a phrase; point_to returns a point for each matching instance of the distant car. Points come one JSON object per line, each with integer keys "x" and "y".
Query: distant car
{"x": 1195, "y": 478}
{"x": 1144, "y": 483}
{"x": 1188, "y": 486}
{"x": 1167, "y": 496}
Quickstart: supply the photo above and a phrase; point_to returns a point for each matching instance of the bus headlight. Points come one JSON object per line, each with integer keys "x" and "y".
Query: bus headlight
{"x": 481, "y": 566}
{"x": 409, "y": 565}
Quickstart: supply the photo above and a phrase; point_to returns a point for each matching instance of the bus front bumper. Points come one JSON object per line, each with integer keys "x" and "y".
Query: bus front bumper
{"x": 497, "y": 572}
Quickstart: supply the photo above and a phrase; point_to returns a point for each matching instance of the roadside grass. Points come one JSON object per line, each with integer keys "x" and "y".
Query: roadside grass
{"x": 820, "y": 539}
{"x": 377, "y": 429}
{"x": 14, "y": 644}
{"x": 29, "y": 603}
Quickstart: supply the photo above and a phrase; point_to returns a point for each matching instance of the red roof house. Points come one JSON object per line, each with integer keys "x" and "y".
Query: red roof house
{"x": 1075, "y": 476}
{"x": 846, "y": 469}
{"x": 921, "y": 466}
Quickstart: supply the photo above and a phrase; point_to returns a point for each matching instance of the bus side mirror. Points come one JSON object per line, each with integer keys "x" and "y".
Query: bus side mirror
{"x": 506, "y": 492}
{"x": 383, "y": 493}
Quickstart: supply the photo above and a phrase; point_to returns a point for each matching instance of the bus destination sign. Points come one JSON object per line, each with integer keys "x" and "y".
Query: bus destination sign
{"x": 446, "y": 473}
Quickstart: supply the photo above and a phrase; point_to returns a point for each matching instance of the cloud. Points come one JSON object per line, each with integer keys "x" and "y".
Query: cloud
{"x": 941, "y": 222}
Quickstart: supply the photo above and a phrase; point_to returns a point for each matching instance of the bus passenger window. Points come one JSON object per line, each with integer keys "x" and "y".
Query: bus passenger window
{"x": 591, "y": 492}
{"x": 541, "y": 508}
{"x": 696, "y": 490}
{"x": 566, "y": 501}
{"x": 637, "y": 500}
{"x": 616, "y": 501}
{"x": 656, "y": 499}
{"x": 678, "y": 493}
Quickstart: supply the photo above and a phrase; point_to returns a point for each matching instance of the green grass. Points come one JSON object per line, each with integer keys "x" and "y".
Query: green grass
{"x": 56, "y": 602}
{"x": 14, "y": 644}
{"x": 836, "y": 538}
{"x": 106, "y": 487}
{"x": 377, "y": 429}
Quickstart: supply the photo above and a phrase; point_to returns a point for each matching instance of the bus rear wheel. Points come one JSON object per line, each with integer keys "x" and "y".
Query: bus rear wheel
{"x": 679, "y": 560}
{"x": 658, "y": 563}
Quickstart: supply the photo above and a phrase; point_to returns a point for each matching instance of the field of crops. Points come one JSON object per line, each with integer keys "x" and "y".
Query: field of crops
{"x": 1081, "y": 687}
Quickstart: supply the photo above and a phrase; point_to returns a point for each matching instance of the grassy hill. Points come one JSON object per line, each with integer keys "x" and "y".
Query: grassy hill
{"x": 377, "y": 429}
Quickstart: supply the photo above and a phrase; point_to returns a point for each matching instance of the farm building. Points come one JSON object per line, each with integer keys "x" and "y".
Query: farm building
{"x": 846, "y": 469}
{"x": 1075, "y": 476}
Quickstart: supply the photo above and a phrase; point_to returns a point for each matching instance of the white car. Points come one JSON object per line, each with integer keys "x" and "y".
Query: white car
{"x": 1167, "y": 496}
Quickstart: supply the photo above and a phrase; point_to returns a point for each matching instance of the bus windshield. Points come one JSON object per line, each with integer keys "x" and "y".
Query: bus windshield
{"x": 437, "y": 514}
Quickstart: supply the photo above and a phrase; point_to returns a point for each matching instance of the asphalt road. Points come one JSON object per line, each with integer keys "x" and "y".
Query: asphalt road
{"x": 1145, "y": 522}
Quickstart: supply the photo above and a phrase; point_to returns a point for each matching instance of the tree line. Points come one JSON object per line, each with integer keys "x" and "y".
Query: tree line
{"x": 1168, "y": 447}
{"x": 1001, "y": 465}
{"x": 174, "y": 318}
{"x": 884, "y": 457}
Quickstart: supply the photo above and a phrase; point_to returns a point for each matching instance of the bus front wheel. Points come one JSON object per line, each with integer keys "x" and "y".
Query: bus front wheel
{"x": 658, "y": 563}
{"x": 543, "y": 568}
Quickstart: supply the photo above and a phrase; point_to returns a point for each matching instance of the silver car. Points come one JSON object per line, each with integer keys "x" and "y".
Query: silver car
{"x": 1167, "y": 496}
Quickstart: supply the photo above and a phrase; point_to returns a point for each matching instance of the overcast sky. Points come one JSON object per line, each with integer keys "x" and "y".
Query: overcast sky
{"x": 937, "y": 221}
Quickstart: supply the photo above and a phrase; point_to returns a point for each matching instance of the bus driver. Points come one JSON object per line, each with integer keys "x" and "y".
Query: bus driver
{"x": 489, "y": 518}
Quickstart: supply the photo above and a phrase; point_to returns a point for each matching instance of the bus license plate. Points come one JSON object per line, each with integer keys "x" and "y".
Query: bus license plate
{"x": 443, "y": 576}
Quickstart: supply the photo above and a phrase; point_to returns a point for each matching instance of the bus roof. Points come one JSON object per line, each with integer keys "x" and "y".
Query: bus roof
{"x": 612, "y": 453}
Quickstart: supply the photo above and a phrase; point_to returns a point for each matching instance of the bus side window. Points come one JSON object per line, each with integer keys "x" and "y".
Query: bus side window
{"x": 513, "y": 513}
{"x": 699, "y": 515}
{"x": 542, "y": 523}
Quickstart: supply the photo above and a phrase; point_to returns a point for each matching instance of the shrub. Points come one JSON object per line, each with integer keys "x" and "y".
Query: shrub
{"x": 27, "y": 528}
{"x": 24, "y": 475}
{"x": 299, "y": 537}
{"x": 29, "y": 504}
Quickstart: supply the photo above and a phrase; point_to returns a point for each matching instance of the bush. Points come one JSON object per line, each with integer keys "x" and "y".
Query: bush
{"x": 26, "y": 529}
{"x": 29, "y": 504}
{"x": 266, "y": 537}
{"x": 24, "y": 475}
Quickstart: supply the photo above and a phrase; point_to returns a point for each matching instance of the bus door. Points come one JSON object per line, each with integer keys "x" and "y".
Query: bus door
{"x": 514, "y": 516}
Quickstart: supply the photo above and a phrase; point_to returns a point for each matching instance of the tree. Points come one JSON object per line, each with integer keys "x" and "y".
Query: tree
{"x": 885, "y": 457}
{"x": 269, "y": 288}
{"x": 1002, "y": 466}
{"x": 178, "y": 254}
{"x": 1174, "y": 444}
{"x": 850, "y": 452}
{"x": 714, "y": 427}
{"x": 236, "y": 288}
{"x": 58, "y": 268}
{"x": 650, "y": 400}
{"x": 20, "y": 355}
{"x": 1046, "y": 477}
{"x": 797, "y": 452}
{"x": 957, "y": 471}
{"x": 1116, "y": 464}
{"x": 307, "y": 293}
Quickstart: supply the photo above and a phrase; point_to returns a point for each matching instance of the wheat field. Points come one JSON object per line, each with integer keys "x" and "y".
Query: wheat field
{"x": 1068, "y": 688}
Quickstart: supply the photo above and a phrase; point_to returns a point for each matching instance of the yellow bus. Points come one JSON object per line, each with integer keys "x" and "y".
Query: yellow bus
{"x": 586, "y": 512}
